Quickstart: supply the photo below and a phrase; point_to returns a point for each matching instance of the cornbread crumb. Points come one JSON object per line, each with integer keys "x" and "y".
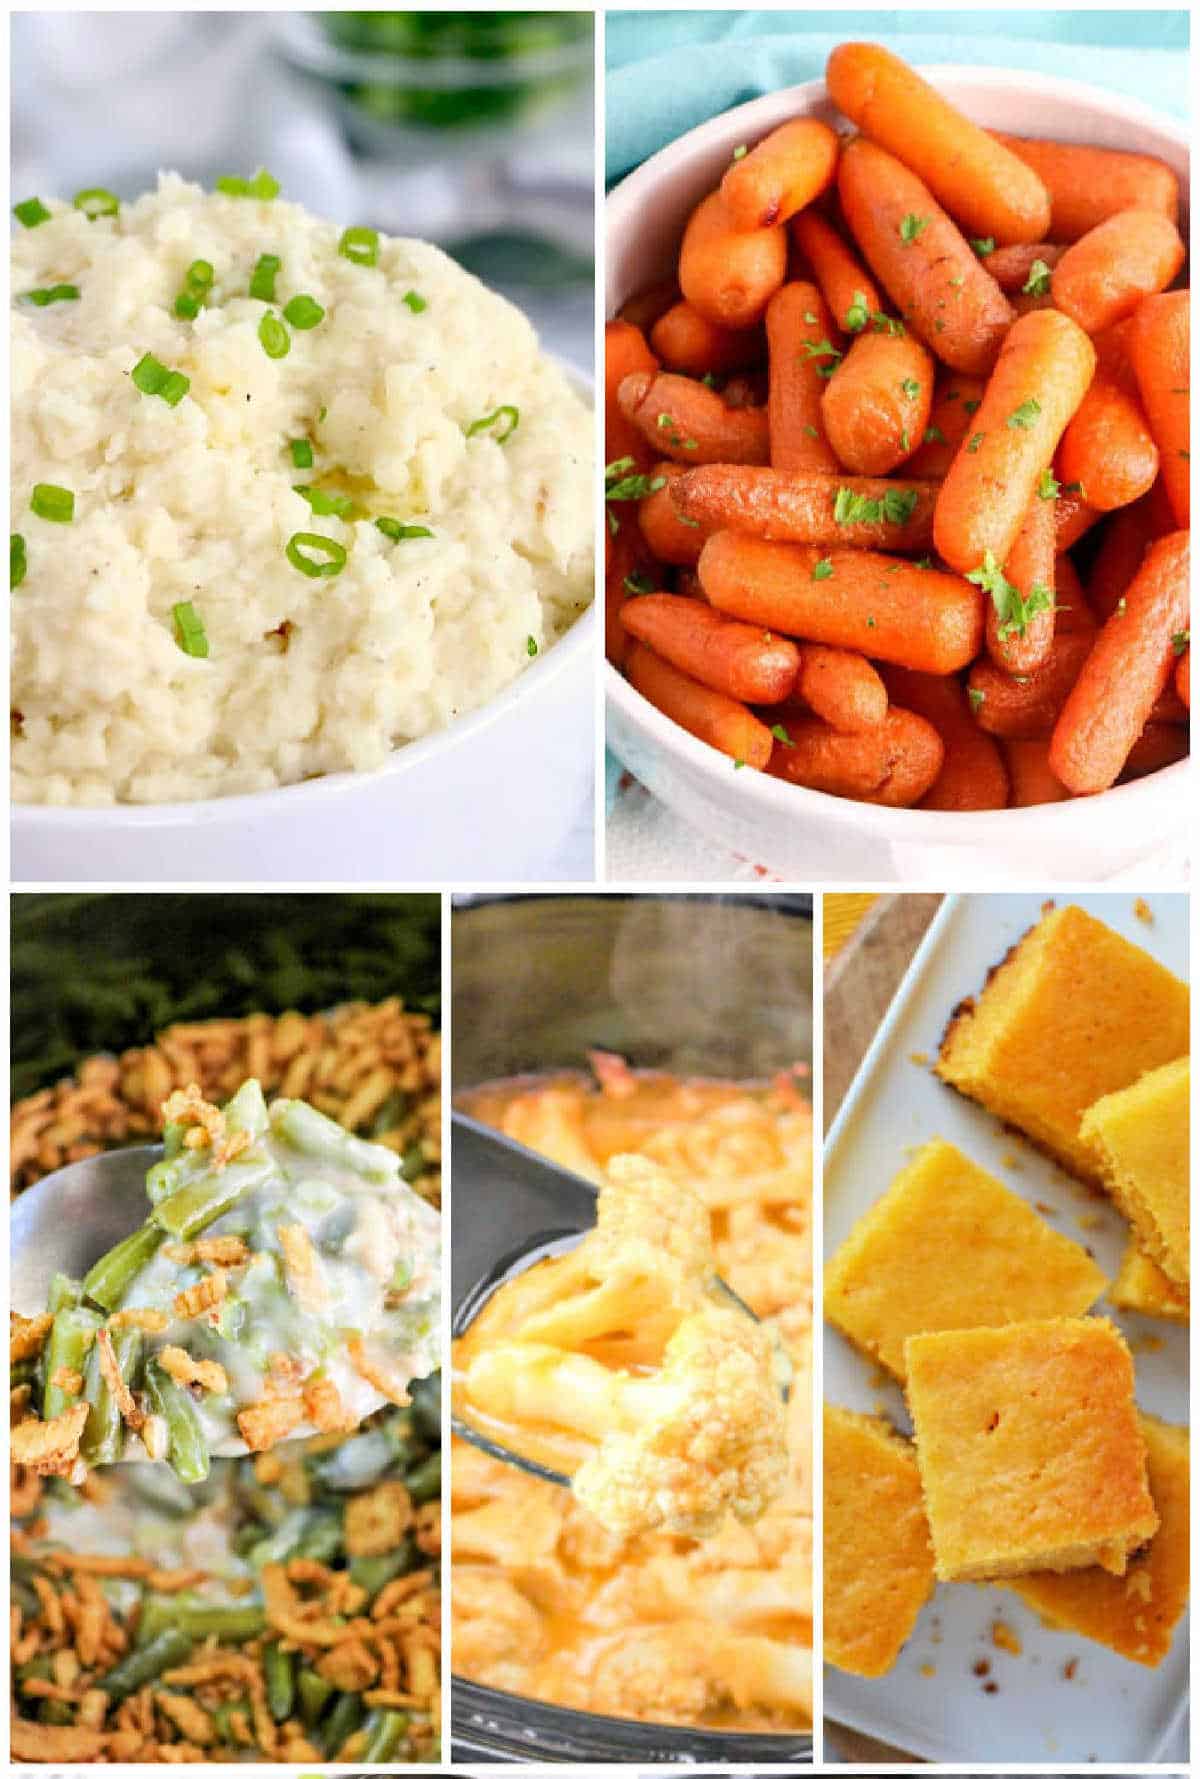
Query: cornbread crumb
{"x": 1005, "y": 1638}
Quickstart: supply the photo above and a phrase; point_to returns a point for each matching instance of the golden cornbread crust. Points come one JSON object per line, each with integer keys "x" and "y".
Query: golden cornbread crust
{"x": 1144, "y": 1288}
{"x": 1140, "y": 1138}
{"x": 878, "y": 1558}
{"x": 1072, "y": 1012}
{"x": 1029, "y": 1447}
{"x": 1136, "y": 1613}
{"x": 948, "y": 1246}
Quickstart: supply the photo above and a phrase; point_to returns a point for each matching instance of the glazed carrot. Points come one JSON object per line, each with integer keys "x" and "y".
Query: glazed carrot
{"x": 1043, "y": 372}
{"x": 806, "y": 507}
{"x": 647, "y": 306}
{"x": 722, "y": 722}
{"x": 881, "y": 606}
{"x": 1025, "y": 708}
{"x": 668, "y": 537}
{"x": 955, "y": 400}
{"x": 841, "y": 688}
{"x": 894, "y": 763}
{"x": 1072, "y": 517}
{"x": 625, "y": 351}
{"x": 689, "y": 342}
{"x": 1113, "y": 355}
{"x": 1158, "y": 745}
{"x": 876, "y": 405}
{"x": 801, "y": 347}
{"x": 848, "y": 290}
{"x": 1024, "y": 270}
{"x": 740, "y": 660}
{"x": 747, "y": 390}
{"x": 1107, "y": 447}
{"x": 628, "y": 560}
{"x": 982, "y": 184}
{"x": 786, "y": 171}
{"x": 730, "y": 274}
{"x": 1086, "y": 185}
{"x": 1131, "y": 661}
{"x": 972, "y": 774}
{"x": 1126, "y": 537}
{"x": 1183, "y": 678}
{"x": 1029, "y": 774}
{"x": 1020, "y": 623}
{"x": 1104, "y": 276}
{"x": 1168, "y": 707}
{"x": 1159, "y": 350}
{"x": 928, "y": 269}
{"x": 689, "y": 423}
{"x": 1070, "y": 601}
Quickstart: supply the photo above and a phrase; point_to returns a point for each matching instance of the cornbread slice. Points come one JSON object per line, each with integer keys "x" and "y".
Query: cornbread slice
{"x": 1029, "y": 1447}
{"x": 1139, "y": 1137}
{"x": 1072, "y": 1013}
{"x": 947, "y": 1246}
{"x": 1135, "y": 1613}
{"x": 878, "y": 1558}
{"x": 1143, "y": 1287}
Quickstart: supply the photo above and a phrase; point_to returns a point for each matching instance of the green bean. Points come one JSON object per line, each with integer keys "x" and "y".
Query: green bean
{"x": 71, "y": 1335}
{"x": 40, "y": 1668}
{"x": 173, "y": 1143}
{"x": 247, "y": 1111}
{"x": 374, "y": 1573}
{"x": 315, "y": 1693}
{"x": 190, "y": 1210}
{"x": 172, "y": 1648}
{"x": 356, "y": 1463}
{"x": 426, "y": 1393}
{"x": 413, "y": 1163}
{"x": 55, "y": 1711}
{"x": 187, "y": 1449}
{"x": 323, "y": 1539}
{"x": 343, "y": 1720}
{"x": 64, "y": 1293}
{"x": 312, "y": 1133}
{"x": 104, "y": 1430}
{"x": 166, "y": 1177}
{"x": 425, "y": 1482}
{"x": 384, "y": 1735}
{"x": 280, "y": 1673}
{"x": 284, "y": 1541}
{"x": 223, "y": 1718}
{"x": 115, "y": 1271}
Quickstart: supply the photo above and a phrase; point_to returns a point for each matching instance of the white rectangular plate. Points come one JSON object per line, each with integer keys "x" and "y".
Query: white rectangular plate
{"x": 936, "y": 1703}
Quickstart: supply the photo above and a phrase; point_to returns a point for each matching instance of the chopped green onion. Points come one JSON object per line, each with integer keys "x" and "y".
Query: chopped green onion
{"x": 51, "y": 502}
{"x": 96, "y": 201}
{"x": 323, "y": 503}
{"x": 261, "y": 186}
{"x": 394, "y": 529}
{"x": 187, "y": 306}
{"x": 17, "y": 563}
{"x": 531, "y": 647}
{"x": 302, "y": 454}
{"x": 197, "y": 281}
{"x": 322, "y": 546}
{"x": 175, "y": 387}
{"x": 276, "y": 342}
{"x": 489, "y": 420}
{"x": 415, "y": 302}
{"x": 303, "y": 312}
{"x": 153, "y": 378}
{"x": 262, "y": 279}
{"x": 199, "y": 275}
{"x": 30, "y": 212}
{"x": 361, "y": 246}
{"x": 53, "y": 293}
{"x": 190, "y": 633}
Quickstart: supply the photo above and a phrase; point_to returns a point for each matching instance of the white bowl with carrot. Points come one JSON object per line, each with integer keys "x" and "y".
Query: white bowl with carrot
{"x": 898, "y": 536}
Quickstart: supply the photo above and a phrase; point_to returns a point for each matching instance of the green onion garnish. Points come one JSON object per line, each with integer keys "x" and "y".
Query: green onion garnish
{"x": 394, "y": 529}
{"x": 361, "y": 246}
{"x": 199, "y": 275}
{"x": 261, "y": 186}
{"x": 341, "y": 506}
{"x": 187, "y": 306}
{"x": 303, "y": 312}
{"x": 513, "y": 416}
{"x": 262, "y": 279}
{"x": 416, "y": 302}
{"x": 323, "y": 546}
{"x": 16, "y": 559}
{"x": 531, "y": 648}
{"x": 189, "y": 630}
{"x": 276, "y": 342}
{"x": 54, "y": 293}
{"x": 49, "y": 501}
{"x": 197, "y": 281}
{"x": 96, "y": 201}
{"x": 153, "y": 378}
{"x": 302, "y": 454}
{"x": 31, "y": 212}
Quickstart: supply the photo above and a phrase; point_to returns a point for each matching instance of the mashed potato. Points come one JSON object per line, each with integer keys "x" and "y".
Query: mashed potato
{"x": 193, "y": 505}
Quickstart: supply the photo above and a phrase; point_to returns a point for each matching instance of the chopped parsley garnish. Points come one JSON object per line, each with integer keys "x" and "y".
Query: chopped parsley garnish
{"x": 637, "y": 583}
{"x": 983, "y": 245}
{"x": 1013, "y": 609}
{"x": 1038, "y": 281}
{"x": 738, "y": 764}
{"x": 623, "y": 481}
{"x": 823, "y": 570}
{"x": 896, "y": 507}
{"x": 1022, "y": 418}
{"x": 969, "y": 407}
{"x": 781, "y": 735}
{"x": 810, "y": 431}
{"x": 531, "y": 647}
{"x": 1181, "y": 642}
{"x": 904, "y": 442}
{"x": 934, "y": 436}
{"x": 911, "y": 388}
{"x": 923, "y": 562}
{"x": 821, "y": 349}
{"x": 912, "y": 227}
{"x": 974, "y": 442}
{"x": 857, "y": 315}
{"x": 975, "y": 696}
{"x": 740, "y": 152}
{"x": 1048, "y": 487}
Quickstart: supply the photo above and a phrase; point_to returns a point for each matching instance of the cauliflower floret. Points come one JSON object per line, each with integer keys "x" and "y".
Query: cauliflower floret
{"x": 663, "y": 1674}
{"x": 498, "y": 1633}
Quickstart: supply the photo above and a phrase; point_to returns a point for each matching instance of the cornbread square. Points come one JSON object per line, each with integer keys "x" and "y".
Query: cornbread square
{"x": 1072, "y": 1013}
{"x": 1139, "y": 1137}
{"x": 1143, "y": 1287}
{"x": 947, "y": 1246}
{"x": 1029, "y": 1446}
{"x": 878, "y": 1558}
{"x": 1136, "y": 1613}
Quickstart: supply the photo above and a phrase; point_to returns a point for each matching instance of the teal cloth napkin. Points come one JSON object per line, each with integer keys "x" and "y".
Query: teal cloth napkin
{"x": 669, "y": 71}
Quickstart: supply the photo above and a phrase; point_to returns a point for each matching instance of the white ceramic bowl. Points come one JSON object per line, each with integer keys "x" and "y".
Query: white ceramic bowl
{"x": 485, "y": 800}
{"x": 806, "y": 834}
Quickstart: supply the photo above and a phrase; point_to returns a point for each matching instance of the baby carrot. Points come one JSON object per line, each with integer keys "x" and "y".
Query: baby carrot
{"x": 842, "y": 688}
{"x": 786, "y": 171}
{"x": 876, "y": 405}
{"x": 982, "y": 184}
{"x": 956, "y": 400}
{"x": 1104, "y": 276}
{"x": 1126, "y": 537}
{"x": 748, "y": 389}
{"x": 893, "y": 764}
{"x": 1026, "y": 707}
{"x": 928, "y": 269}
{"x": 1158, "y": 745}
{"x": 628, "y": 561}
{"x": 738, "y": 659}
{"x": 668, "y": 537}
{"x": 1130, "y": 662}
{"x": 1024, "y": 270}
{"x": 1045, "y": 366}
{"x": 881, "y": 606}
{"x": 1183, "y": 678}
{"x": 1107, "y": 447}
{"x": 1029, "y": 773}
{"x": 730, "y": 274}
{"x": 689, "y": 423}
{"x": 1020, "y": 612}
{"x": 801, "y": 351}
{"x": 721, "y": 721}
{"x": 1159, "y": 349}
{"x": 1072, "y": 516}
{"x": 1087, "y": 185}
{"x": 645, "y": 307}
{"x": 689, "y": 342}
{"x": 972, "y": 774}
{"x": 808, "y": 507}
{"x": 853, "y": 299}
{"x": 625, "y": 351}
